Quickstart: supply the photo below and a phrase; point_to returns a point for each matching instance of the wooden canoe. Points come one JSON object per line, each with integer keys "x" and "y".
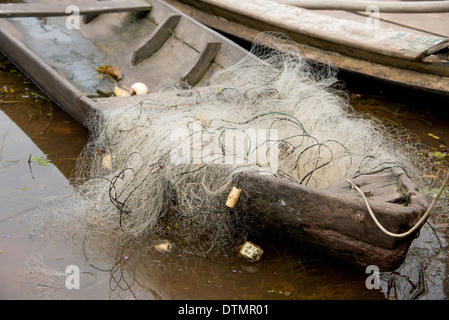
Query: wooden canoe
{"x": 397, "y": 50}
{"x": 159, "y": 44}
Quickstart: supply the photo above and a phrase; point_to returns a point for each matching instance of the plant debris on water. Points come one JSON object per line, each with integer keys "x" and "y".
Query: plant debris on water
{"x": 40, "y": 161}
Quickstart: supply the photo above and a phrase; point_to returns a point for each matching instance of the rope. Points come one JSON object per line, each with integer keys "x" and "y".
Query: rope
{"x": 417, "y": 225}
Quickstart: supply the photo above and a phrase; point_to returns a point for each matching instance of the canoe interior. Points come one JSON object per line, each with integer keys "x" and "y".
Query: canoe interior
{"x": 159, "y": 48}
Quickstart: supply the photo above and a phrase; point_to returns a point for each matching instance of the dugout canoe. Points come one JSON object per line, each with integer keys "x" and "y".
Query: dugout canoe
{"x": 154, "y": 43}
{"x": 406, "y": 49}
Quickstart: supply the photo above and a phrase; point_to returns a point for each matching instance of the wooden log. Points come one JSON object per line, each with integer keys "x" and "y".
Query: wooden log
{"x": 87, "y": 18}
{"x": 202, "y": 64}
{"x": 10, "y": 10}
{"x": 382, "y": 6}
{"x": 155, "y": 40}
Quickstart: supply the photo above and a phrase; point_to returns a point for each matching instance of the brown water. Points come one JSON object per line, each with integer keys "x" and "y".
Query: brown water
{"x": 39, "y": 144}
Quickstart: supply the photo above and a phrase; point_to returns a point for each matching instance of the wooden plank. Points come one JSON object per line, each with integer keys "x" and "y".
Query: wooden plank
{"x": 440, "y": 46}
{"x": 87, "y": 18}
{"x": 155, "y": 40}
{"x": 418, "y": 23}
{"x": 9, "y": 10}
{"x": 199, "y": 69}
{"x": 41, "y": 73}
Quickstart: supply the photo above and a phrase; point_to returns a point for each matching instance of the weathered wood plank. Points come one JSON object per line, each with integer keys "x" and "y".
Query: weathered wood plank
{"x": 382, "y": 187}
{"x": 9, "y": 10}
{"x": 155, "y": 40}
{"x": 202, "y": 64}
{"x": 382, "y": 6}
{"x": 87, "y": 18}
{"x": 423, "y": 23}
{"x": 440, "y": 46}
{"x": 418, "y": 23}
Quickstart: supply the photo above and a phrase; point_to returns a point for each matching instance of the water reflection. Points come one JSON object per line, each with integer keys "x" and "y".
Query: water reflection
{"x": 39, "y": 146}
{"x": 36, "y": 249}
{"x": 423, "y": 274}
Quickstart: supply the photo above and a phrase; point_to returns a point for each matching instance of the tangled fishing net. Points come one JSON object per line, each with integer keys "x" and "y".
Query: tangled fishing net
{"x": 163, "y": 167}
{"x": 42, "y": 278}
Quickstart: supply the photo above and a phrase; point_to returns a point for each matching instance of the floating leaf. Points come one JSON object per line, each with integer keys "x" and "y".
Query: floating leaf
{"x": 112, "y": 71}
{"x": 433, "y": 136}
{"x": 437, "y": 154}
{"x": 40, "y": 161}
{"x": 36, "y": 95}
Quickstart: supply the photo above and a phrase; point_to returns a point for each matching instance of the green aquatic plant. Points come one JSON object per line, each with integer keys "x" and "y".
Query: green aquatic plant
{"x": 437, "y": 157}
{"x": 40, "y": 161}
{"x": 433, "y": 191}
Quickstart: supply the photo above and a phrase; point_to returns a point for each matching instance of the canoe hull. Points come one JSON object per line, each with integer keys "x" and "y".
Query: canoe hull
{"x": 335, "y": 222}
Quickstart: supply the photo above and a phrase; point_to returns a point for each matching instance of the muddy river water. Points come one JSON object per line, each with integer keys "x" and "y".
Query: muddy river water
{"x": 39, "y": 144}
